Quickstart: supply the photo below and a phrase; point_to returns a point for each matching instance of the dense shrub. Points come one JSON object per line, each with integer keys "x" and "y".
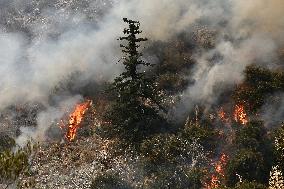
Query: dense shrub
{"x": 252, "y": 136}
{"x": 177, "y": 178}
{"x": 249, "y": 165}
{"x": 13, "y": 164}
{"x": 109, "y": 181}
{"x": 171, "y": 148}
{"x": 259, "y": 84}
{"x": 253, "y": 156}
{"x": 6, "y": 142}
{"x": 205, "y": 134}
{"x": 246, "y": 185}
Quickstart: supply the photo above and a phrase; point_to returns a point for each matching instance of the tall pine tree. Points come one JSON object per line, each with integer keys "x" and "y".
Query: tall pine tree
{"x": 134, "y": 113}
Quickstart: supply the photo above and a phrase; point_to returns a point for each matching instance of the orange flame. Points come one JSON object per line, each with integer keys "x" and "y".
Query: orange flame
{"x": 223, "y": 116}
{"x": 219, "y": 172}
{"x": 214, "y": 182}
{"x": 75, "y": 118}
{"x": 240, "y": 115}
{"x": 219, "y": 167}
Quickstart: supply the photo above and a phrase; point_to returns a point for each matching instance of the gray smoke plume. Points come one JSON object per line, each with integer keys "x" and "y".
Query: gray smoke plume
{"x": 42, "y": 42}
{"x": 242, "y": 41}
{"x": 51, "y": 116}
{"x": 273, "y": 111}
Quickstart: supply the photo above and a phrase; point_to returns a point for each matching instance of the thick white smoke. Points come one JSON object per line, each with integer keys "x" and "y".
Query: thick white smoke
{"x": 43, "y": 42}
{"x": 50, "y": 117}
{"x": 260, "y": 16}
{"x": 251, "y": 41}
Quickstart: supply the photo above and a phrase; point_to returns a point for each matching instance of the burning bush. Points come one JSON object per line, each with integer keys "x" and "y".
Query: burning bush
{"x": 75, "y": 119}
{"x": 259, "y": 84}
{"x": 176, "y": 157}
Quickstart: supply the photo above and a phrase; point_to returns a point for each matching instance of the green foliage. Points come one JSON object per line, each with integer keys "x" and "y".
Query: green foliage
{"x": 254, "y": 156}
{"x": 170, "y": 148}
{"x": 250, "y": 185}
{"x": 195, "y": 177}
{"x": 175, "y": 147}
{"x": 109, "y": 181}
{"x": 247, "y": 163}
{"x": 246, "y": 185}
{"x": 175, "y": 160}
{"x": 13, "y": 164}
{"x": 252, "y": 136}
{"x": 6, "y": 143}
{"x": 134, "y": 112}
{"x": 161, "y": 149}
{"x": 259, "y": 84}
{"x": 178, "y": 179}
{"x": 205, "y": 134}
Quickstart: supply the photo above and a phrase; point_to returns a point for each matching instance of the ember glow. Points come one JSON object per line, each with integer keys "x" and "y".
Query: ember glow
{"x": 75, "y": 118}
{"x": 219, "y": 174}
{"x": 223, "y": 115}
{"x": 219, "y": 167}
{"x": 240, "y": 115}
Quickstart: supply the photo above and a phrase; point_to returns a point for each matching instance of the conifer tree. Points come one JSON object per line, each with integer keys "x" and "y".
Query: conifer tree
{"x": 135, "y": 111}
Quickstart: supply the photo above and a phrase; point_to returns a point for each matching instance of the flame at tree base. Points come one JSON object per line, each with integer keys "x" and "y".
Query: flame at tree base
{"x": 75, "y": 118}
{"x": 219, "y": 174}
{"x": 240, "y": 115}
{"x": 223, "y": 116}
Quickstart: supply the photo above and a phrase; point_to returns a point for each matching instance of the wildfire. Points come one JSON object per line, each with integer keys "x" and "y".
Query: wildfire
{"x": 219, "y": 167}
{"x": 222, "y": 115}
{"x": 240, "y": 115}
{"x": 219, "y": 172}
{"x": 75, "y": 118}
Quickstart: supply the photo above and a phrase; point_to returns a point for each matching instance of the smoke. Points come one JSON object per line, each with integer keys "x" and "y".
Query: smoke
{"x": 47, "y": 119}
{"x": 244, "y": 40}
{"x": 42, "y": 45}
{"x": 43, "y": 42}
{"x": 261, "y": 17}
{"x": 164, "y": 19}
{"x": 272, "y": 112}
